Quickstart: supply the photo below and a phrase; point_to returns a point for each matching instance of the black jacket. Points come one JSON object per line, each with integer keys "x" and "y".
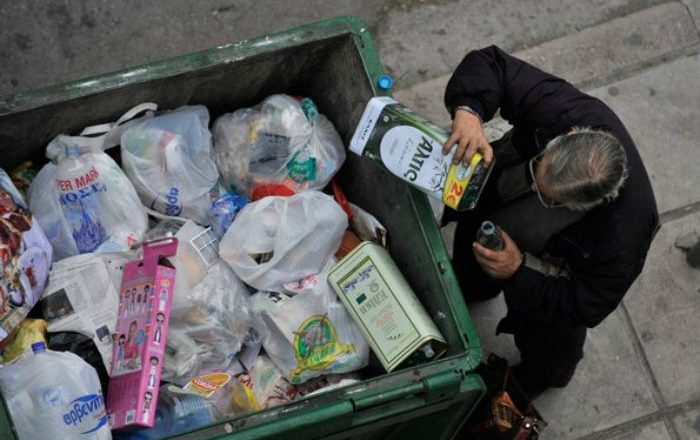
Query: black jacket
{"x": 606, "y": 249}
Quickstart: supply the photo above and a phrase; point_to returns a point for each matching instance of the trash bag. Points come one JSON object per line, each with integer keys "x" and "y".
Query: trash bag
{"x": 279, "y": 143}
{"x": 25, "y": 257}
{"x": 84, "y": 201}
{"x": 267, "y": 383}
{"x": 205, "y": 335}
{"x": 169, "y": 160}
{"x": 277, "y": 240}
{"x": 310, "y": 334}
{"x": 197, "y": 252}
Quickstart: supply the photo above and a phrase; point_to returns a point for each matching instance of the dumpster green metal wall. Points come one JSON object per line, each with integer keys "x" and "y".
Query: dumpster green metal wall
{"x": 336, "y": 64}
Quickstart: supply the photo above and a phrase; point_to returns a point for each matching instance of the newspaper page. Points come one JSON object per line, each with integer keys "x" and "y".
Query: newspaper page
{"x": 83, "y": 296}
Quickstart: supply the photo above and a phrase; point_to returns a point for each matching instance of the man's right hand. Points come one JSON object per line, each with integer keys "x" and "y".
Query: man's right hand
{"x": 468, "y": 134}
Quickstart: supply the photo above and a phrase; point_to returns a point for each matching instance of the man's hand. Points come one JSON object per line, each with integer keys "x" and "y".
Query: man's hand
{"x": 499, "y": 265}
{"x": 468, "y": 134}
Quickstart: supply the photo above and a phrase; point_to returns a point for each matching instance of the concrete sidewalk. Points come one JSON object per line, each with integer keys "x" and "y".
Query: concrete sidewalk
{"x": 640, "y": 377}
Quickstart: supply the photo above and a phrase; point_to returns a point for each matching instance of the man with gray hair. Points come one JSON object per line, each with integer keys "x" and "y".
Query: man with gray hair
{"x": 571, "y": 197}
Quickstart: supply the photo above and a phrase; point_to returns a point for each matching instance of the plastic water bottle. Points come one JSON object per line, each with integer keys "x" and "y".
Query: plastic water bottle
{"x": 51, "y": 394}
{"x": 175, "y": 414}
{"x": 489, "y": 237}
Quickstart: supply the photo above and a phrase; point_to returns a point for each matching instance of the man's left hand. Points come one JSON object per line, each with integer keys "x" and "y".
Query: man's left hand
{"x": 499, "y": 264}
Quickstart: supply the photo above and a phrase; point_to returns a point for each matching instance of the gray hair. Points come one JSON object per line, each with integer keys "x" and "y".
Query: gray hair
{"x": 585, "y": 167}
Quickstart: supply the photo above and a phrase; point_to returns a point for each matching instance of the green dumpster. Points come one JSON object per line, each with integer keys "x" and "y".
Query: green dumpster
{"x": 336, "y": 64}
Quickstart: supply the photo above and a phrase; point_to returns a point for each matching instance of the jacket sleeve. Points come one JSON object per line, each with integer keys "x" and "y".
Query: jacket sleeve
{"x": 489, "y": 79}
{"x": 584, "y": 298}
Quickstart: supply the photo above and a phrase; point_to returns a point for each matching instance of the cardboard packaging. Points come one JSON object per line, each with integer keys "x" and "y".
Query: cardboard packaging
{"x": 410, "y": 147}
{"x": 142, "y": 327}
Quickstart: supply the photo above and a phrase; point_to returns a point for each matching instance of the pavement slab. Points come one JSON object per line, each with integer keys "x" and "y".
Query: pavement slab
{"x": 694, "y": 8}
{"x": 660, "y": 109}
{"x": 486, "y": 316}
{"x": 612, "y": 47}
{"x": 611, "y": 386}
{"x": 426, "y": 39}
{"x": 654, "y": 431}
{"x": 664, "y": 307}
{"x": 688, "y": 424}
{"x": 584, "y": 57}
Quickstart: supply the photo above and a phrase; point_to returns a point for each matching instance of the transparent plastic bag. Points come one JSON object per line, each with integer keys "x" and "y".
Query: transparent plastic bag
{"x": 277, "y": 240}
{"x": 279, "y": 142}
{"x": 310, "y": 334}
{"x": 169, "y": 160}
{"x": 209, "y": 331}
{"x": 267, "y": 384}
{"x": 83, "y": 200}
{"x": 51, "y": 394}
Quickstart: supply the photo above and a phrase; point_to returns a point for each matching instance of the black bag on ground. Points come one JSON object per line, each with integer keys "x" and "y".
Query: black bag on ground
{"x": 505, "y": 412}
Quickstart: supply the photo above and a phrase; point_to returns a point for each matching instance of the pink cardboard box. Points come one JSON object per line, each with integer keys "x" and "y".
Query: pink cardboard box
{"x": 142, "y": 328}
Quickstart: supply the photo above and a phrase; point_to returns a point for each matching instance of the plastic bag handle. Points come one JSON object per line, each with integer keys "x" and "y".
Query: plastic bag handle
{"x": 112, "y": 132}
{"x": 99, "y": 137}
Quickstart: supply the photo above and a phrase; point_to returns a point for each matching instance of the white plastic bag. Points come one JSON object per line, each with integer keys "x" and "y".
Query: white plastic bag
{"x": 52, "y": 394}
{"x": 277, "y": 240}
{"x": 310, "y": 334}
{"x": 279, "y": 142}
{"x": 169, "y": 160}
{"x": 208, "y": 331}
{"x": 83, "y": 200}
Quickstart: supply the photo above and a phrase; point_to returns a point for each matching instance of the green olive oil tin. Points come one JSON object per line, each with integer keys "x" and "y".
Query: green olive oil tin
{"x": 380, "y": 300}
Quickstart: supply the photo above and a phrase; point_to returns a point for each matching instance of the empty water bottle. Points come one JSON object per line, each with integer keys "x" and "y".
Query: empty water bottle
{"x": 489, "y": 236}
{"x": 51, "y": 394}
{"x": 175, "y": 413}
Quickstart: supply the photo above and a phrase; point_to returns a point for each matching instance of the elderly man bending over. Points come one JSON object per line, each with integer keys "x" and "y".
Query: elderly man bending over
{"x": 573, "y": 201}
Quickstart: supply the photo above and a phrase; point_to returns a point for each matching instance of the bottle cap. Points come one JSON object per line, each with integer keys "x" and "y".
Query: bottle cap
{"x": 385, "y": 82}
{"x": 39, "y": 347}
{"x": 488, "y": 227}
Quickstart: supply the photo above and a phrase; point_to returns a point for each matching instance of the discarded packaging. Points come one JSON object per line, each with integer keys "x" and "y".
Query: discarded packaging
{"x": 385, "y": 308}
{"x": 84, "y": 201}
{"x": 83, "y": 296}
{"x": 169, "y": 160}
{"x": 25, "y": 257}
{"x": 54, "y": 395}
{"x": 410, "y": 147}
{"x": 278, "y": 240}
{"x": 28, "y": 332}
{"x": 205, "y": 335}
{"x": 142, "y": 329}
{"x": 309, "y": 334}
{"x": 281, "y": 146}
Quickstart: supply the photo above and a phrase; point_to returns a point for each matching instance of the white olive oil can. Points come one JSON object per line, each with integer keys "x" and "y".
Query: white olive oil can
{"x": 380, "y": 300}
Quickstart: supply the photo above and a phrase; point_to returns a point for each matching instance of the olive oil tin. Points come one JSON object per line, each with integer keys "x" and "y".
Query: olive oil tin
{"x": 410, "y": 147}
{"x": 380, "y": 300}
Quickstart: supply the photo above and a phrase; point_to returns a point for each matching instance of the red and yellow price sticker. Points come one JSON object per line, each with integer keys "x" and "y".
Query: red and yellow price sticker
{"x": 457, "y": 181}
